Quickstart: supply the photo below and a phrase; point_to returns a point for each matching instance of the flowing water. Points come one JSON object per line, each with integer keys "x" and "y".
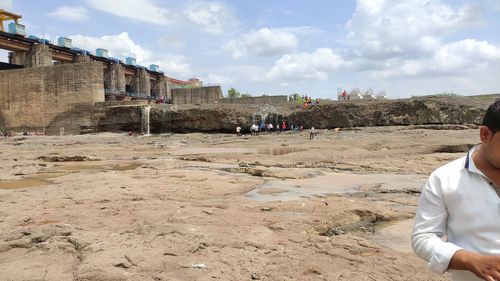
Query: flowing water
{"x": 145, "y": 120}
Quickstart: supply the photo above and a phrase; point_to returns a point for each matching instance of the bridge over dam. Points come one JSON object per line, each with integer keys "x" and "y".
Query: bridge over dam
{"x": 119, "y": 79}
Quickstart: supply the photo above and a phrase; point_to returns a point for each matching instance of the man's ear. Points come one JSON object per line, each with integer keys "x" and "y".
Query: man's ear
{"x": 484, "y": 134}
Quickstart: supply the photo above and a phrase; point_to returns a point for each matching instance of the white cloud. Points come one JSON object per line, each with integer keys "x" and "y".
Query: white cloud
{"x": 119, "y": 46}
{"x": 263, "y": 42}
{"x": 173, "y": 65}
{"x": 6, "y": 4}
{"x": 212, "y": 17}
{"x": 217, "y": 79}
{"x": 122, "y": 46}
{"x": 172, "y": 41}
{"x": 450, "y": 59}
{"x": 384, "y": 29}
{"x": 390, "y": 38}
{"x": 144, "y": 10}
{"x": 78, "y": 14}
{"x": 304, "y": 66}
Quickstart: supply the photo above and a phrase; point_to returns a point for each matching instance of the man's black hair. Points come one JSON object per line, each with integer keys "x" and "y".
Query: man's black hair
{"x": 492, "y": 117}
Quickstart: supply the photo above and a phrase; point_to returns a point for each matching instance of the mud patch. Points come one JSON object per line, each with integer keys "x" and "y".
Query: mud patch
{"x": 59, "y": 158}
{"x": 367, "y": 224}
{"x": 454, "y": 148}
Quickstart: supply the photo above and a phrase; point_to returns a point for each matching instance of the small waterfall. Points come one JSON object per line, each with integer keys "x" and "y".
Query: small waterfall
{"x": 264, "y": 115}
{"x": 145, "y": 120}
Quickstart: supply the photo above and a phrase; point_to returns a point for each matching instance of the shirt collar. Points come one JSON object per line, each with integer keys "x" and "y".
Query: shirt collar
{"x": 471, "y": 166}
{"x": 469, "y": 162}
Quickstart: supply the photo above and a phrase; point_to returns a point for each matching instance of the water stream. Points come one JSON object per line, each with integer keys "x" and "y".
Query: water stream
{"x": 145, "y": 120}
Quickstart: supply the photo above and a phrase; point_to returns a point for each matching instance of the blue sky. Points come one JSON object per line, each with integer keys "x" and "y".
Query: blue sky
{"x": 405, "y": 48}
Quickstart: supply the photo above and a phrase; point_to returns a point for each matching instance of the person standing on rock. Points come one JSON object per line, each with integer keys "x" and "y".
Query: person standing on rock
{"x": 312, "y": 134}
{"x": 238, "y": 131}
{"x": 461, "y": 201}
{"x": 262, "y": 127}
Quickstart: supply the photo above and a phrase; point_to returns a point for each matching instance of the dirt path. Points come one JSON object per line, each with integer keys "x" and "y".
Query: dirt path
{"x": 217, "y": 207}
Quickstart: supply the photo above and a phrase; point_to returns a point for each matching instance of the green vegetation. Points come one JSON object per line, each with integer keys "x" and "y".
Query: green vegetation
{"x": 233, "y": 93}
{"x": 438, "y": 95}
{"x": 447, "y": 94}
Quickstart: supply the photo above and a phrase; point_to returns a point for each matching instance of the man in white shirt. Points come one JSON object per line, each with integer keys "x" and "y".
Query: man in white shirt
{"x": 461, "y": 202}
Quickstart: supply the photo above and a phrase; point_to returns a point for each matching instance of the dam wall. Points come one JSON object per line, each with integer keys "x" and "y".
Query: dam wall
{"x": 32, "y": 98}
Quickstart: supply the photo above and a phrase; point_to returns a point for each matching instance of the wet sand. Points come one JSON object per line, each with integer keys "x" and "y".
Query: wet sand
{"x": 216, "y": 206}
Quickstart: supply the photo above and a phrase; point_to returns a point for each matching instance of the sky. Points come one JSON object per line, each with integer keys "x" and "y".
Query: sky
{"x": 405, "y": 48}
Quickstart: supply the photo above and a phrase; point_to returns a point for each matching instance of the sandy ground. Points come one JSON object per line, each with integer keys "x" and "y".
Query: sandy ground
{"x": 217, "y": 207}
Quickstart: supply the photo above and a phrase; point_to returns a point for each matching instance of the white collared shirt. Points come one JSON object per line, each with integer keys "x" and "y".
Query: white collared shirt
{"x": 458, "y": 202}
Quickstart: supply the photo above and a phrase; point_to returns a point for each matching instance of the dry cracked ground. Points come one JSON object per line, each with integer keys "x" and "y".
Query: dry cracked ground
{"x": 217, "y": 206}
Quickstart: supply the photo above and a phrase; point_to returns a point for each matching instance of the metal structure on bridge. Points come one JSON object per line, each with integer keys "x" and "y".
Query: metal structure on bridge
{"x": 4, "y": 16}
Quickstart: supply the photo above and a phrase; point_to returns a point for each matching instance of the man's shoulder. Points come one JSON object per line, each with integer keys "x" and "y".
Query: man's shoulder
{"x": 450, "y": 169}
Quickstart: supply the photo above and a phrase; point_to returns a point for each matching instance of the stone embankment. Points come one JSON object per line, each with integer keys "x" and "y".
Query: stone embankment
{"x": 225, "y": 118}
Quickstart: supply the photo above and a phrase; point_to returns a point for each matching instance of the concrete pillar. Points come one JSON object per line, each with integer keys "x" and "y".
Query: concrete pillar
{"x": 144, "y": 84}
{"x": 18, "y": 58}
{"x": 82, "y": 58}
{"x": 168, "y": 89}
{"x": 39, "y": 55}
{"x": 114, "y": 78}
{"x": 160, "y": 86}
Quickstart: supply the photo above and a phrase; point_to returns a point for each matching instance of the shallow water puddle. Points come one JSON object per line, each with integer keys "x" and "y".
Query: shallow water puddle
{"x": 236, "y": 150}
{"x": 35, "y": 181}
{"x": 280, "y": 150}
{"x": 64, "y": 169}
{"x": 333, "y": 183}
{"x": 395, "y": 236}
{"x": 287, "y": 190}
{"x": 106, "y": 167}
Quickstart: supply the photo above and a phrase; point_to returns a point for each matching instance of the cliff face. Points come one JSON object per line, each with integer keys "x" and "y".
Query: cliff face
{"x": 212, "y": 119}
{"x": 167, "y": 118}
{"x": 226, "y": 117}
{"x": 387, "y": 113}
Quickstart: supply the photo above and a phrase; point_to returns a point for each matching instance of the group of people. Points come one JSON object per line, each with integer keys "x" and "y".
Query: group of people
{"x": 268, "y": 127}
{"x": 308, "y": 100}
{"x": 6, "y": 133}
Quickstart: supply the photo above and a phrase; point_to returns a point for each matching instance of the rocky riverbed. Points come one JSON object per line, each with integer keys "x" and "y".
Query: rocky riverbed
{"x": 217, "y": 206}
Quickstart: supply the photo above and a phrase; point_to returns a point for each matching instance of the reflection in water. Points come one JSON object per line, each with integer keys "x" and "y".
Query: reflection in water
{"x": 61, "y": 170}
{"x": 332, "y": 183}
{"x": 237, "y": 150}
{"x": 35, "y": 181}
